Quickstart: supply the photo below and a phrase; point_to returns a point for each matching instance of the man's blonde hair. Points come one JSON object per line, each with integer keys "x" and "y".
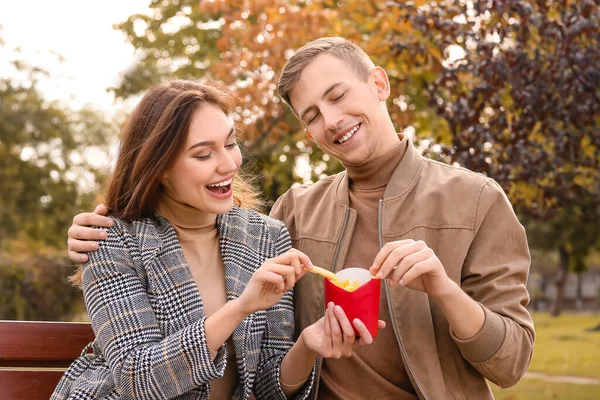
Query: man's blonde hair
{"x": 338, "y": 47}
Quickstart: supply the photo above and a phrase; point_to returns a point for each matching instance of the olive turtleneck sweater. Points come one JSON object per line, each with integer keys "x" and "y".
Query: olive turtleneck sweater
{"x": 199, "y": 240}
{"x": 366, "y": 375}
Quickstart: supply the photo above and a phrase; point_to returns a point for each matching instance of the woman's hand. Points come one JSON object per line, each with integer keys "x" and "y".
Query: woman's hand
{"x": 272, "y": 280}
{"x": 333, "y": 337}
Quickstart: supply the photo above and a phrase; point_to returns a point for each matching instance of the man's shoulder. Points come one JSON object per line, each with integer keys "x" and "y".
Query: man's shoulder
{"x": 459, "y": 185}
{"x": 300, "y": 198}
{"x": 455, "y": 177}
{"x": 306, "y": 192}
{"x": 458, "y": 171}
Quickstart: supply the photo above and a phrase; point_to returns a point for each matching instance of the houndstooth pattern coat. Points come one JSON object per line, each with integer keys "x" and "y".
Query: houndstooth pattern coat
{"x": 148, "y": 319}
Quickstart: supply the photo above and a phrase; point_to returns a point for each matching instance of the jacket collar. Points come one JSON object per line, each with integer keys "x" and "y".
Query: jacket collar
{"x": 155, "y": 233}
{"x": 402, "y": 180}
{"x": 151, "y": 233}
{"x": 234, "y": 281}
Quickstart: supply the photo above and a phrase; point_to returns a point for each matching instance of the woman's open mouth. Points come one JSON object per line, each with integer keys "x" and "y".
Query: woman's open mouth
{"x": 221, "y": 189}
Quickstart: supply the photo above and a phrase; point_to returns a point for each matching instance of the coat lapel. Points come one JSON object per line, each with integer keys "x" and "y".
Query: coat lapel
{"x": 247, "y": 337}
{"x": 149, "y": 239}
{"x": 174, "y": 288}
{"x": 163, "y": 257}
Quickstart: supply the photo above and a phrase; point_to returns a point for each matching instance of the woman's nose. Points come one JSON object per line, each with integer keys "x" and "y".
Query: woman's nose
{"x": 228, "y": 162}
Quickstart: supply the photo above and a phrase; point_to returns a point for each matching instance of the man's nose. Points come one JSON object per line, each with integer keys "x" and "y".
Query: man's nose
{"x": 332, "y": 119}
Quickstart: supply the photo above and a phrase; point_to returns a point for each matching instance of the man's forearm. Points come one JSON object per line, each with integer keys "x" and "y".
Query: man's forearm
{"x": 465, "y": 315}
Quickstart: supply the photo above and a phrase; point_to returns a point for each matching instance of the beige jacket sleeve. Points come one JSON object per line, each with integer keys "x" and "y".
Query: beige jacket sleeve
{"x": 280, "y": 212}
{"x": 495, "y": 274}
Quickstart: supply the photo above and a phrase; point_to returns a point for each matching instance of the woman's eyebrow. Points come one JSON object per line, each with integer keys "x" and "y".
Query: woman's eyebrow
{"x": 211, "y": 142}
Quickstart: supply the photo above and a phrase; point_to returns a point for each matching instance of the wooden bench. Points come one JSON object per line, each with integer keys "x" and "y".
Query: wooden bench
{"x": 34, "y": 356}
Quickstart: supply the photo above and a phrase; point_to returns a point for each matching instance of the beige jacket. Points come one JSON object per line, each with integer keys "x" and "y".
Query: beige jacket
{"x": 469, "y": 223}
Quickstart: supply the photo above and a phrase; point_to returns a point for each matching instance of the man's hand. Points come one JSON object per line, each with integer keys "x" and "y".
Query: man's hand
{"x": 82, "y": 239}
{"x": 332, "y": 336}
{"x": 412, "y": 264}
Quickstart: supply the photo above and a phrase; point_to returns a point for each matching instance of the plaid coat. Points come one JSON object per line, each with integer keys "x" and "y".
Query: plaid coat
{"x": 149, "y": 323}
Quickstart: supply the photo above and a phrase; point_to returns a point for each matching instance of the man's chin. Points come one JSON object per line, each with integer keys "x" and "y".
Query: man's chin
{"x": 355, "y": 158}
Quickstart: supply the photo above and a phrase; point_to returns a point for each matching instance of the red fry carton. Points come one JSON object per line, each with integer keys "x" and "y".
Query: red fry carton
{"x": 361, "y": 303}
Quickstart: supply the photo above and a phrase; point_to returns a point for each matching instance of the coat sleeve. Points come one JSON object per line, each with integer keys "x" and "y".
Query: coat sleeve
{"x": 277, "y": 341}
{"x": 143, "y": 363}
{"x": 280, "y": 212}
{"x": 495, "y": 275}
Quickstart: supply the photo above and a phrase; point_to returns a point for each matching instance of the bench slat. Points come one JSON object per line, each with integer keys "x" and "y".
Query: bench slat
{"x": 28, "y": 384}
{"x": 42, "y": 344}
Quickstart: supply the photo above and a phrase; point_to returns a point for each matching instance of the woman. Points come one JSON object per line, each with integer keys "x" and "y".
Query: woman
{"x": 189, "y": 296}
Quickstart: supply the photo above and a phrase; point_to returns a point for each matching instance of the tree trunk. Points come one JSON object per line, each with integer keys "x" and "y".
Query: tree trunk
{"x": 544, "y": 297}
{"x": 561, "y": 279}
{"x": 579, "y": 298}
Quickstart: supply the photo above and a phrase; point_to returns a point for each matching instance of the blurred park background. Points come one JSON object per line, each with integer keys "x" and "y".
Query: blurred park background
{"x": 506, "y": 88}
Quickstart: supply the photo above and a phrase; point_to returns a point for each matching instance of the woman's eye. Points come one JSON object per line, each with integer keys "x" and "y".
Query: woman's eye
{"x": 202, "y": 158}
{"x": 231, "y": 145}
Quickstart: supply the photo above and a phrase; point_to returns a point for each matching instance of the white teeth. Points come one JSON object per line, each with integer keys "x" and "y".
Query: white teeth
{"x": 224, "y": 183}
{"x": 348, "y": 135}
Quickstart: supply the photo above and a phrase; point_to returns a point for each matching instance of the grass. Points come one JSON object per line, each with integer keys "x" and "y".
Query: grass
{"x": 537, "y": 389}
{"x": 562, "y": 347}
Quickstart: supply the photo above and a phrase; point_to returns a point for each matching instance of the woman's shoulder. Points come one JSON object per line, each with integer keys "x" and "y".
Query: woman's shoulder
{"x": 143, "y": 233}
{"x": 156, "y": 225}
{"x": 243, "y": 230}
{"x": 251, "y": 220}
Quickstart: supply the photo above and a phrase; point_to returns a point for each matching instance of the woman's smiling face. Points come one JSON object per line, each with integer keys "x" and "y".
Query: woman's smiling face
{"x": 203, "y": 173}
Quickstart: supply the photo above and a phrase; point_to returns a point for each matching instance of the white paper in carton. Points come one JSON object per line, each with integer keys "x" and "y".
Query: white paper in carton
{"x": 354, "y": 274}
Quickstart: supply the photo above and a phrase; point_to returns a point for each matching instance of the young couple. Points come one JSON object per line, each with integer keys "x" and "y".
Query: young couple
{"x": 190, "y": 291}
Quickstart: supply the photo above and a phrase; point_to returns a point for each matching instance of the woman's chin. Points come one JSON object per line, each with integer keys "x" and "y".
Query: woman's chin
{"x": 222, "y": 208}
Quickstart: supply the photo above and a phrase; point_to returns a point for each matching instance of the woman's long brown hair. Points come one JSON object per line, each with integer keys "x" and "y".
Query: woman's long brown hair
{"x": 151, "y": 140}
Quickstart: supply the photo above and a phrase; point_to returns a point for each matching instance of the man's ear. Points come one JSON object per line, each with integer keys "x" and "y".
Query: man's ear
{"x": 308, "y": 134}
{"x": 382, "y": 83}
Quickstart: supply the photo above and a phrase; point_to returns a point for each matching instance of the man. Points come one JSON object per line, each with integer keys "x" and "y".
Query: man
{"x": 446, "y": 240}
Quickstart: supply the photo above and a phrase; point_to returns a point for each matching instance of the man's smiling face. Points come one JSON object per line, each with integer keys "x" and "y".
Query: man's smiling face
{"x": 344, "y": 114}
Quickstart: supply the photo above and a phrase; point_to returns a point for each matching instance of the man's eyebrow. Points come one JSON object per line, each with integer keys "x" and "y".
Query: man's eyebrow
{"x": 211, "y": 142}
{"x": 325, "y": 93}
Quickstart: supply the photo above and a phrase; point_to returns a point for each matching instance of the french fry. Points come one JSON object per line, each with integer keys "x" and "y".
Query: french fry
{"x": 345, "y": 284}
{"x": 341, "y": 284}
{"x": 323, "y": 272}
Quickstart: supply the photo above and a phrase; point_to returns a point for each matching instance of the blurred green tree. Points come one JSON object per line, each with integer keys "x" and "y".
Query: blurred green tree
{"x": 44, "y": 174}
{"x": 34, "y": 287}
{"x": 245, "y": 44}
{"x": 506, "y": 88}
{"x": 522, "y": 101}
{"x": 45, "y": 177}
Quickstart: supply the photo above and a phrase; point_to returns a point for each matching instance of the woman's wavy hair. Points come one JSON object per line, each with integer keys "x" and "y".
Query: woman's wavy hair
{"x": 152, "y": 138}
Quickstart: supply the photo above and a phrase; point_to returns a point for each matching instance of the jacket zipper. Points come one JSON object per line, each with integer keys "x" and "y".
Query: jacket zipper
{"x": 335, "y": 256}
{"x": 387, "y": 296}
{"x": 339, "y": 243}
